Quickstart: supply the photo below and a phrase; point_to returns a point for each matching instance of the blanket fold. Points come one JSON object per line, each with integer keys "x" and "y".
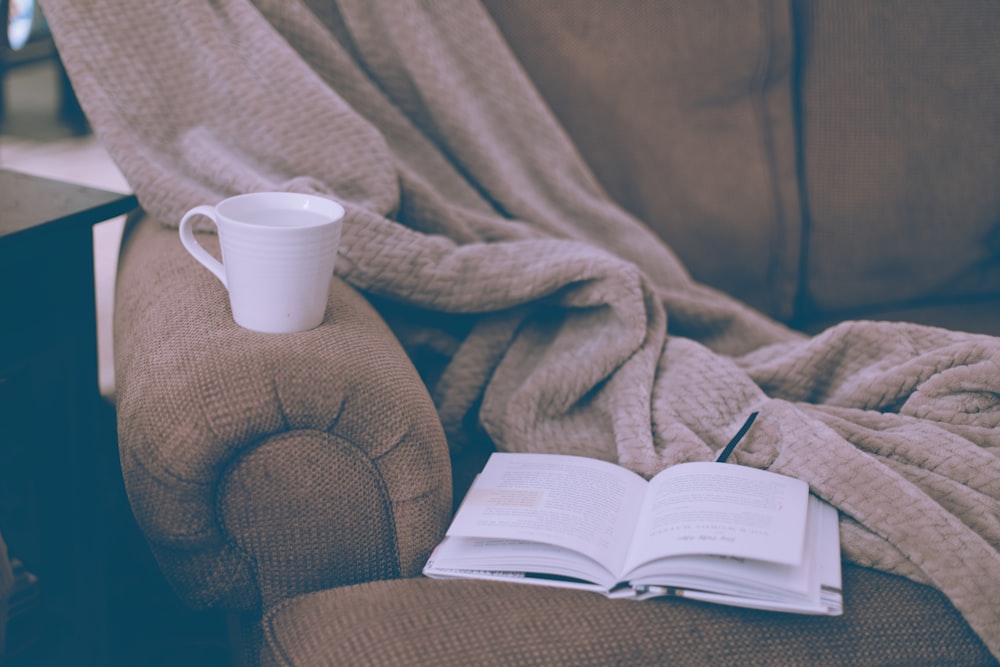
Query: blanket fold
{"x": 588, "y": 336}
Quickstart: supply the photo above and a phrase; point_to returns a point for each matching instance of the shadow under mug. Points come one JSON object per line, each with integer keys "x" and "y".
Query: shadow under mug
{"x": 278, "y": 254}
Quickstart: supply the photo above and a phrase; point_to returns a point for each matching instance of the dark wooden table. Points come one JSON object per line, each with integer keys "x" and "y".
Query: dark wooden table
{"x": 58, "y": 458}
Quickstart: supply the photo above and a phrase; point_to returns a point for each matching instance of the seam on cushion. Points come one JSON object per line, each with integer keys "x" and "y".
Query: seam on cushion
{"x": 386, "y": 502}
{"x": 336, "y": 420}
{"x": 377, "y": 475}
{"x": 801, "y": 300}
{"x": 758, "y": 95}
{"x": 278, "y": 650}
{"x": 232, "y": 545}
{"x": 158, "y": 474}
{"x": 391, "y": 449}
{"x": 231, "y": 574}
{"x": 233, "y": 578}
{"x": 375, "y": 460}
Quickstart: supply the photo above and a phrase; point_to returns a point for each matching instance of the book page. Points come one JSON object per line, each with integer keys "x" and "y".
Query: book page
{"x": 582, "y": 504}
{"x": 532, "y": 562}
{"x": 811, "y": 587}
{"x": 722, "y": 509}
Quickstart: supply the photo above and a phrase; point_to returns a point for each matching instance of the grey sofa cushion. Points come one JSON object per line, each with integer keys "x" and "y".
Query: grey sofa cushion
{"x": 887, "y": 621}
{"x": 684, "y": 112}
{"x": 818, "y": 160}
{"x": 900, "y": 150}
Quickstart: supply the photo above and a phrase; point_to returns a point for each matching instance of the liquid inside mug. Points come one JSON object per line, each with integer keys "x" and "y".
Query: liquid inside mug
{"x": 278, "y": 253}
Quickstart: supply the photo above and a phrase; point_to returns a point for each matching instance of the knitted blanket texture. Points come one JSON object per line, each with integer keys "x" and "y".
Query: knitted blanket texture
{"x": 580, "y": 331}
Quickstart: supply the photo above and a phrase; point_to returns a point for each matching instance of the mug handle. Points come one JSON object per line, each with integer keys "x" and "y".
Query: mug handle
{"x": 191, "y": 243}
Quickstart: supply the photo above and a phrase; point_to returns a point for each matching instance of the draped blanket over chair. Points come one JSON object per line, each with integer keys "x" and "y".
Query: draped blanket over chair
{"x": 565, "y": 324}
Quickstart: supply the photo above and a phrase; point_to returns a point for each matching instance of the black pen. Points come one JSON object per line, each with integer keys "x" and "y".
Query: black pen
{"x": 728, "y": 449}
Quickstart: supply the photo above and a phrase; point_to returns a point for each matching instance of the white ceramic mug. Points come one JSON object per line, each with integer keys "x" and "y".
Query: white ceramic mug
{"x": 278, "y": 252}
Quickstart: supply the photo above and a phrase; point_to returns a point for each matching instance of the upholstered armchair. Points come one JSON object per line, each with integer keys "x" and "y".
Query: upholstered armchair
{"x": 300, "y": 481}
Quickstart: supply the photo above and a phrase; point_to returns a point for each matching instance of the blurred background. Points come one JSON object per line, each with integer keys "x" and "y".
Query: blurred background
{"x": 43, "y": 132}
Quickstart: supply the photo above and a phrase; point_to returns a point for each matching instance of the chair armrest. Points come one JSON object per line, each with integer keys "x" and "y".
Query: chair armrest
{"x": 261, "y": 466}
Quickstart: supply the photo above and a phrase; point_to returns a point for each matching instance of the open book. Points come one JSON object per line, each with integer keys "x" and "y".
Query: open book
{"x": 717, "y": 532}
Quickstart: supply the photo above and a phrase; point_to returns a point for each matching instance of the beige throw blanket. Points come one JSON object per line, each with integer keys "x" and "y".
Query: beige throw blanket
{"x": 578, "y": 331}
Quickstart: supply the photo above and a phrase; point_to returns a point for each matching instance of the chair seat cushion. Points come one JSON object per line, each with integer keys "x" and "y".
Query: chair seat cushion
{"x": 887, "y": 621}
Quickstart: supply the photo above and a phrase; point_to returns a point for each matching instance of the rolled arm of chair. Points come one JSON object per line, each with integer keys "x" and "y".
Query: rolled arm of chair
{"x": 261, "y": 466}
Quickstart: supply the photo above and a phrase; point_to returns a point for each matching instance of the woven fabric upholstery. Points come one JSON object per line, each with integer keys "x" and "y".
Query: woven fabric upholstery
{"x": 261, "y": 466}
{"x": 889, "y": 621}
{"x": 684, "y": 112}
{"x": 849, "y": 149}
{"x": 901, "y": 151}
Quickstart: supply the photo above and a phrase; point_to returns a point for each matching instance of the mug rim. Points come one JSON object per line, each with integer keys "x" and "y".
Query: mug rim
{"x": 229, "y": 208}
